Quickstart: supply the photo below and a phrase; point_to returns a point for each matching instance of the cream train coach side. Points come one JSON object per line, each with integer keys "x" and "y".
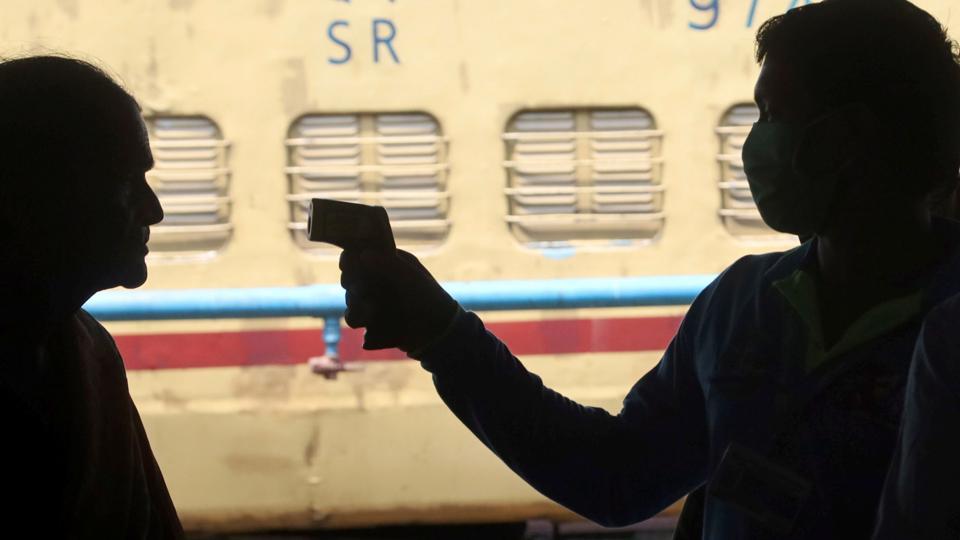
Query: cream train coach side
{"x": 508, "y": 139}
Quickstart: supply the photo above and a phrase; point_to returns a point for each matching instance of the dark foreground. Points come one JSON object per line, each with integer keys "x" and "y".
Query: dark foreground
{"x": 655, "y": 529}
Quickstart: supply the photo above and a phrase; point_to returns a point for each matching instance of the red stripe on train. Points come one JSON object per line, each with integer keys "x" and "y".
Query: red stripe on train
{"x": 278, "y": 347}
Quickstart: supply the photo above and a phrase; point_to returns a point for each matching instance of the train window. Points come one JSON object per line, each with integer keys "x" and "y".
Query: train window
{"x": 737, "y": 209}
{"x": 584, "y": 177}
{"x": 397, "y": 160}
{"x": 191, "y": 177}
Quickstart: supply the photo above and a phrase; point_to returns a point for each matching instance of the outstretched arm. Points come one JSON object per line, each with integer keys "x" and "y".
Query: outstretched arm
{"x": 614, "y": 470}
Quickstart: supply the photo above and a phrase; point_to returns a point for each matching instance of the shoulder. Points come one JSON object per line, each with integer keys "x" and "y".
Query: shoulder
{"x": 945, "y": 315}
{"x": 749, "y": 271}
{"x": 740, "y": 282}
{"x": 91, "y": 326}
{"x": 939, "y": 342}
{"x": 942, "y": 325}
{"x": 97, "y": 339}
{"x": 734, "y": 298}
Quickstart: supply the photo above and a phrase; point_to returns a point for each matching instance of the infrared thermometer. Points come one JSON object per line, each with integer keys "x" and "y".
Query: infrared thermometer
{"x": 349, "y": 226}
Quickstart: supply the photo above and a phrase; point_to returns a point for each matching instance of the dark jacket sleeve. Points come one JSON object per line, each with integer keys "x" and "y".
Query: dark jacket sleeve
{"x": 613, "y": 469}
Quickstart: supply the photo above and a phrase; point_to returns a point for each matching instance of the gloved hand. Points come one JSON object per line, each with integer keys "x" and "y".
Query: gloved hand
{"x": 394, "y": 298}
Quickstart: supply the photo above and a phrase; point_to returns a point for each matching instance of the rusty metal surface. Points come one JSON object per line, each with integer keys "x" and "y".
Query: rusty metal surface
{"x": 271, "y": 447}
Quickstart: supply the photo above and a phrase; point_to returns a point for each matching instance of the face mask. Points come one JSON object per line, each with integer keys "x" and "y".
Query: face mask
{"x": 790, "y": 196}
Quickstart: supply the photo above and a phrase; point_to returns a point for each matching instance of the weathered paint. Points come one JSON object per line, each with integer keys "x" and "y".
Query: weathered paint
{"x": 291, "y": 347}
{"x": 278, "y": 446}
{"x": 274, "y": 445}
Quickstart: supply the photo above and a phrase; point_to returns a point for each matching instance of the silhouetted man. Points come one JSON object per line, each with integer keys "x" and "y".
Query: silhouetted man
{"x": 75, "y": 211}
{"x": 919, "y": 499}
{"x": 782, "y": 390}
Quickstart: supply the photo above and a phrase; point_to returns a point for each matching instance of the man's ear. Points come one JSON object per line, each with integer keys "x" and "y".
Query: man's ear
{"x": 835, "y": 139}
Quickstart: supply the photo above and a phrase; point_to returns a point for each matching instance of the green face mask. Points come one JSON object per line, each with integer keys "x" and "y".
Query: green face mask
{"x": 789, "y": 200}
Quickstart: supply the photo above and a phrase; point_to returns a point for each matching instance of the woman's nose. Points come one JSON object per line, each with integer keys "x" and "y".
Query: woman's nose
{"x": 152, "y": 211}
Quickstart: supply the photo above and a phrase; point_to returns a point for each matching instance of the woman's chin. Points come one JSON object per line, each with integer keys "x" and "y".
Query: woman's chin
{"x": 133, "y": 275}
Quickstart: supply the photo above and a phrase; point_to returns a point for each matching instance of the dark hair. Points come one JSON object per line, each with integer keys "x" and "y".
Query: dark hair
{"x": 891, "y": 56}
{"x": 55, "y": 114}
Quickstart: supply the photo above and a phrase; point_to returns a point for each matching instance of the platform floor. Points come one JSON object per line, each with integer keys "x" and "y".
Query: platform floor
{"x": 654, "y": 529}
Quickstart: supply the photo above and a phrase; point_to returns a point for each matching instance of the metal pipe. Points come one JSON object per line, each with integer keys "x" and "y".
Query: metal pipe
{"x": 327, "y": 301}
{"x": 331, "y": 337}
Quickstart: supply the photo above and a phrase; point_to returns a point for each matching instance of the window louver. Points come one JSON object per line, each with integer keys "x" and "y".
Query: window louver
{"x": 737, "y": 209}
{"x": 398, "y": 161}
{"x": 191, "y": 178}
{"x": 583, "y": 177}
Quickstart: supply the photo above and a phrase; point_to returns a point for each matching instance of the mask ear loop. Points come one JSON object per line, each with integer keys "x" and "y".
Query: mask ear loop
{"x": 835, "y": 140}
{"x": 869, "y": 145}
{"x": 833, "y": 144}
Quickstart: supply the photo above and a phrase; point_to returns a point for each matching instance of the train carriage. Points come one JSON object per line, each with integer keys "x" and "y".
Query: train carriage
{"x": 509, "y": 140}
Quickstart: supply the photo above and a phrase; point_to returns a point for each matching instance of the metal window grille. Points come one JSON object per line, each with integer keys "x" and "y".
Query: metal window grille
{"x": 737, "y": 209}
{"x": 584, "y": 177}
{"x": 191, "y": 177}
{"x": 398, "y": 161}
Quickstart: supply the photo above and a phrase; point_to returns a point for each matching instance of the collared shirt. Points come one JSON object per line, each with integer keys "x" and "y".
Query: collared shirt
{"x": 738, "y": 372}
{"x": 800, "y": 291}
